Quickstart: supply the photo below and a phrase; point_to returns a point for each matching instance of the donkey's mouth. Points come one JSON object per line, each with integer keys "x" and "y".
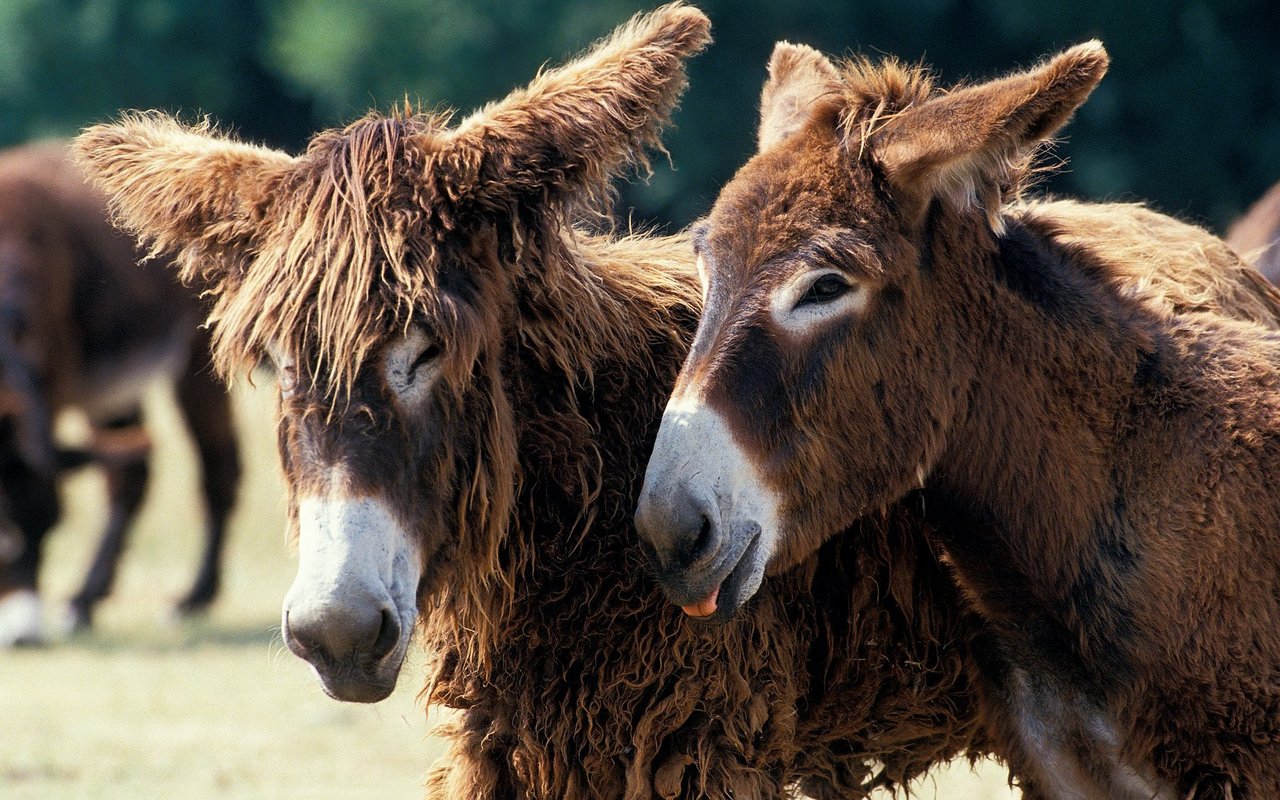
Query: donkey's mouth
{"x": 358, "y": 676}
{"x": 729, "y": 593}
{"x": 352, "y": 684}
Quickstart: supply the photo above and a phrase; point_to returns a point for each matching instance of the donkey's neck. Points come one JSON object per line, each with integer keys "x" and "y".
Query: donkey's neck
{"x": 600, "y": 342}
{"x": 1059, "y": 362}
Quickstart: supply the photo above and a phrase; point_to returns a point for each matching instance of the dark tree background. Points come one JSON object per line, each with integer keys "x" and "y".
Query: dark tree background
{"x": 1188, "y": 118}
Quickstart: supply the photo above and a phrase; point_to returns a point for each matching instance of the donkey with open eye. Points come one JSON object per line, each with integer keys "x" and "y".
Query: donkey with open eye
{"x": 1099, "y": 470}
{"x": 469, "y": 388}
{"x": 83, "y": 325}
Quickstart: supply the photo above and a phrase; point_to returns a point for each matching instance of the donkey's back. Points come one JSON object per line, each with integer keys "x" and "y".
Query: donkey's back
{"x": 84, "y": 325}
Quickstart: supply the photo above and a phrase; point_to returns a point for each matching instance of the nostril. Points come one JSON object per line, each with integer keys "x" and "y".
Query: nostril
{"x": 388, "y": 634}
{"x": 704, "y": 544}
{"x": 677, "y": 528}
{"x": 291, "y": 638}
{"x": 329, "y": 634}
{"x": 704, "y": 537}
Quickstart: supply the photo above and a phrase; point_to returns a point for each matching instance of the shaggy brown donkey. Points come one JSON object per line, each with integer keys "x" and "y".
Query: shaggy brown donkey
{"x": 1101, "y": 470}
{"x": 470, "y": 388}
{"x": 83, "y": 326}
{"x": 1256, "y": 235}
{"x": 517, "y": 460}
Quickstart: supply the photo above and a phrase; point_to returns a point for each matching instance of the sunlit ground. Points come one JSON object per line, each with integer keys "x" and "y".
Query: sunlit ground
{"x": 217, "y": 708}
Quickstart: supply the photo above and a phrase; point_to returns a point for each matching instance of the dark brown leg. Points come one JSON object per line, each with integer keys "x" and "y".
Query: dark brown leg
{"x": 20, "y": 622}
{"x": 207, "y": 409}
{"x": 126, "y": 484}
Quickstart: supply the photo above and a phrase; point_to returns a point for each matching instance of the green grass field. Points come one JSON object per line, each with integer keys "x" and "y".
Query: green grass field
{"x": 217, "y": 708}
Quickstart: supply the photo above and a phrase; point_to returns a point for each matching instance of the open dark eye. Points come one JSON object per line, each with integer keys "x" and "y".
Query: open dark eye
{"x": 825, "y": 289}
{"x": 428, "y": 355}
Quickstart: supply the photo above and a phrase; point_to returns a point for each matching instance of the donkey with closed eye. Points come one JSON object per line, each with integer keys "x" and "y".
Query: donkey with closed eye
{"x": 1100, "y": 470}
{"x": 84, "y": 326}
{"x": 469, "y": 388}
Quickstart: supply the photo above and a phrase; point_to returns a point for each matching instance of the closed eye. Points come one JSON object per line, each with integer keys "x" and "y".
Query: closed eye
{"x": 431, "y": 353}
{"x": 827, "y": 288}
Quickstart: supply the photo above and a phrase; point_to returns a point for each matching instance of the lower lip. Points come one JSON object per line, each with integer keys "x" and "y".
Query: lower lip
{"x": 710, "y": 606}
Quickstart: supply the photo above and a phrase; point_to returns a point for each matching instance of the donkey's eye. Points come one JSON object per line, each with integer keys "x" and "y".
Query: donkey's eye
{"x": 825, "y": 289}
{"x": 429, "y": 354}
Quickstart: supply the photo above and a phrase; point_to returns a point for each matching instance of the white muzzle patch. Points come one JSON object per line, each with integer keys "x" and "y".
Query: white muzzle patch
{"x": 696, "y": 446}
{"x": 353, "y": 551}
{"x": 705, "y": 445}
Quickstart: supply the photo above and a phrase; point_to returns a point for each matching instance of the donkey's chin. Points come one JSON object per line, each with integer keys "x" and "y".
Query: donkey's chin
{"x": 359, "y": 676}
{"x": 734, "y": 579}
{"x": 356, "y": 681}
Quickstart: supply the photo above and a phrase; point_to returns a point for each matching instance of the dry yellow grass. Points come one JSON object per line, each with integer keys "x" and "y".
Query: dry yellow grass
{"x": 145, "y": 708}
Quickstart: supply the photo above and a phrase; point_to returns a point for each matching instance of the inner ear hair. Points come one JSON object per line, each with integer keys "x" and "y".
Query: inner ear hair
{"x": 802, "y": 84}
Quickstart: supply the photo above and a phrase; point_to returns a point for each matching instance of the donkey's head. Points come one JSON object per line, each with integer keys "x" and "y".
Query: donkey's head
{"x": 795, "y": 412}
{"x": 382, "y": 273}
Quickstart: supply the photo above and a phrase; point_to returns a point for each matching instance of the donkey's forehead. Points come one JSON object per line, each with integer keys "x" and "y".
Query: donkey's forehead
{"x": 785, "y": 200}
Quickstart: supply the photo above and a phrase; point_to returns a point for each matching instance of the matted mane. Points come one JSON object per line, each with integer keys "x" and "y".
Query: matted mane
{"x": 1169, "y": 266}
{"x": 353, "y": 248}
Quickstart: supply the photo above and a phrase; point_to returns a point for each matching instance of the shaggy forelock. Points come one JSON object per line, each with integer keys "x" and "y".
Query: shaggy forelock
{"x": 351, "y": 254}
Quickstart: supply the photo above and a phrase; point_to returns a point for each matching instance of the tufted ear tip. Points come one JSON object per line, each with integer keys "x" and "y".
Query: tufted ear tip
{"x": 576, "y": 126}
{"x": 687, "y": 28}
{"x": 979, "y": 135}
{"x": 182, "y": 189}
{"x": 1090, "y": 56}
{"x": 787, "y": 57}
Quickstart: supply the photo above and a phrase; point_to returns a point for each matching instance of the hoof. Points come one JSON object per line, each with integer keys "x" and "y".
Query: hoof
{"x": 196, "y": 603}
{"x": 20, "y": 619}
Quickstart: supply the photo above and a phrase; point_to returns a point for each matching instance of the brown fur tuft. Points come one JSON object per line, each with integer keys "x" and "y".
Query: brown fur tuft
{"x": 974, "y": 146}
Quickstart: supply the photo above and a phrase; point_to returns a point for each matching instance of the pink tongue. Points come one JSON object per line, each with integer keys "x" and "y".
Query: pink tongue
{"x": 704, "y": 607}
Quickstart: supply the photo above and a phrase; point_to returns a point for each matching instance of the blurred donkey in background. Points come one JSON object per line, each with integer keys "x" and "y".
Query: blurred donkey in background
{"x": 82, "y": 325}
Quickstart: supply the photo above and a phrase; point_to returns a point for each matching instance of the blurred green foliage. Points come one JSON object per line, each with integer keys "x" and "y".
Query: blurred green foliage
{"x": 1188, "y": 118}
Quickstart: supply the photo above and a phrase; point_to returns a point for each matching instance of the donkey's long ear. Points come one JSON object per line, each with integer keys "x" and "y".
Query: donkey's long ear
{"x": 182, "y": 189}
{"x": 966, "y": 144}
{"x": 802, "y": 84}
{"x": 574, "y": 127}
